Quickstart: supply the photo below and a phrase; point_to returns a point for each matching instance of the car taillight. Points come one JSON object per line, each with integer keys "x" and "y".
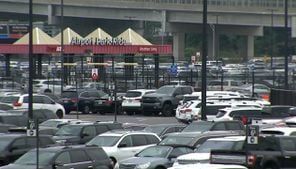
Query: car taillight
{"x": 244, "y": 119}
{"x": 251, "y": 160}
{"x": 75, "y": 100}
{"x": 17, "y": 104}
{"x": 187, "y": 110}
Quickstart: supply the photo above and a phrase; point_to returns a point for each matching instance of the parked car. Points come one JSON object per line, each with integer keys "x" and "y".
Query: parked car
{"x": 132, "y": 100}
{"x": 194, "y": 139}
{"x": 227, "y": 84}
{"x": 155, "y": 157}
{"x": 164, "y": 100}
{"x": 163, "y": 129}
{"x": 106, "y": 104}
{"x": 285, "y": 131}
{"x": 273, "y": 152}
{"x": 202, "y": 153}
{"x": 83, "y": 132}
{"x": 204, "y": 126}
{"x": 15, "y": 145}
{"x": 82, "y": 98}
{"x": 208, "y": 166}
{"x": 120, "y": 145}
{"x": 21, "y": 101}
{"x": 19, "y": 117}
{"x": 49, "y": 86}
{"x": 60, "y": 157}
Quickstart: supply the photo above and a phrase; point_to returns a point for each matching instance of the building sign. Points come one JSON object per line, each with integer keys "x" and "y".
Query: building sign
{"x": 15, "y": 31}
{"x": 98, "y": 41}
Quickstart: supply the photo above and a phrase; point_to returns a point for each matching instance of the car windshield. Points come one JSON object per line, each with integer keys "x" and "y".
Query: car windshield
{"x": 198, "y": 127}
{"x": 4, "y": 142}
{"x": 104, "y": 141}
{"x": 30, "y": 158}
{"x": 165, "y": 90}
{"x": 176, "y": 140}
{"x": 209, "y": 145}
{"x": 9, "y": 99}
{"x": 70, "y": 94}
{"x": 69, "y": 130}
{"x": 155, "y": 151}
{"x": 50, "y": 123}
{"x": 155, "y": 129}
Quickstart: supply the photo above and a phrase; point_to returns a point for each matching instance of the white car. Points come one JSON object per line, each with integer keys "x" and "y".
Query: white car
{"x": 120, "y": 145}
{"x": 229, "y": 112}
{"x": 49, "y": 86}
{"x": 20, "y": 101}
{"x": 285, "y": 131}
{"x": 208, "y": 166}
{"x": 191, "y": 110}
{"x": 202, "y": 154}
{"x": 132, "y": 100}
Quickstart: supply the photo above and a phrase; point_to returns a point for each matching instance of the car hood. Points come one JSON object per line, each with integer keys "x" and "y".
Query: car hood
{"x": 195, "y": 156}
{"x": 16, "y": 166}
{"x": 143, "y": 160}
{"x": 155, "y": 95}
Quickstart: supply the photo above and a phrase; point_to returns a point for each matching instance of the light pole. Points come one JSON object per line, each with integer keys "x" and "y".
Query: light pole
{"x": 286, "y": 44}
{"x": 62, "y": 45}
{"x": 271, "y": 35}
{"x": 204, "y": 62}
{"x": 214, "y": 29}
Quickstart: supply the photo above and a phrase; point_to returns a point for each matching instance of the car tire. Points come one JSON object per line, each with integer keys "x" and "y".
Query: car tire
{"x": 113, "y": 160}
{"x": 167, "y": 110}
{"x": 129, "y": 113}
{"x": 86, "y": 109}
{"x": 60, "y": 114}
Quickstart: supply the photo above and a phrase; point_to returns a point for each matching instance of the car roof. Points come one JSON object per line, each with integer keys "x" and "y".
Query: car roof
{"x": 230, "y": 138}
{"x": 241, "y": 108}
{"x": 167, "y": 125}
{"x": 124, "y": 132}
{"x": 141, "y": 90}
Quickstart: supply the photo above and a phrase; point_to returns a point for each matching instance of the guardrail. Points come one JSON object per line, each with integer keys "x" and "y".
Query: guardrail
{"x": 229, "y": 3}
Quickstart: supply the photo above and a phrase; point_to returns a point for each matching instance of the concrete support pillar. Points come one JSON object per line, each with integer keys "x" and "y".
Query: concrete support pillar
{"x": 179, "y": 45}
{"x": 140, "y": 27}
{"x": 51, "y": 18}
{"x": 250, "y": 47}
{"x": 7, "y": 66}
{"x": 210, "y": 46}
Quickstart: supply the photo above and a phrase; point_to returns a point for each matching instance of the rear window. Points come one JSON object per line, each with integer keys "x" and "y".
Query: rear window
{"x": 133, "y": 94}
{"x": 221, "y": 113}
{"x": 9, "y": 99}
{"x": 71, "y": 94}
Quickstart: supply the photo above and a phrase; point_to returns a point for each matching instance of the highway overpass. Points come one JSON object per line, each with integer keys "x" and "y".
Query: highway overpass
{"x": 238, "y": 17}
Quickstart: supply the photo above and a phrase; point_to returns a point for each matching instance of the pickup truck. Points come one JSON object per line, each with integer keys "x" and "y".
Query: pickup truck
{"x": 271, "y": 152}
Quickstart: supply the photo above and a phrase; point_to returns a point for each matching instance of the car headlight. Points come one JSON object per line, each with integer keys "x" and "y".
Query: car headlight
{"x": 143, "y": 166}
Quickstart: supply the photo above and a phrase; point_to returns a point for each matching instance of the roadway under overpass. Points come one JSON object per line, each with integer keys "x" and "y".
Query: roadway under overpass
{"x": 236, "y": 17}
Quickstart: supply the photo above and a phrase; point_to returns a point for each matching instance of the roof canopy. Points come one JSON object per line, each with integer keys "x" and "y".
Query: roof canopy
{"x": 39, "y": 38}
{"x": 133, "y": 38}
{"x": 68, "y": 35}
{"x": 99, "y": 33}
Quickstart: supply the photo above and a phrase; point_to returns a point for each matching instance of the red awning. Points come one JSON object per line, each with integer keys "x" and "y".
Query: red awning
{"x": 94, "y": 49}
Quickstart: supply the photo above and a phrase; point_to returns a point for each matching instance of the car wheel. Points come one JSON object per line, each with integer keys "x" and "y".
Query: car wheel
{"x": 60, "y": 114}
{"x": 113, "y": 161}
{"x": 129, "y": 113}
{"x": 86, "y": 109}
{"x": 167, "y": 110}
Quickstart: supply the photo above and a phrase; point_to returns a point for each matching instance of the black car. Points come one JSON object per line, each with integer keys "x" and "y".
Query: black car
{"x": 156, "y": 157}
{"x": 19, "y": 117}
{"x": 64, "y": 157}
{"x": 12, "y": 146}
{"x": 83, "y": 132}
{"x": 85, "y": 100}
{"x": 162, "y": 129}
{"x": 106, "y": 104}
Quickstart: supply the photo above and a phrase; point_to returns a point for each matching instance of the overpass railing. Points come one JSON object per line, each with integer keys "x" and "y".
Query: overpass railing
{"x": 229, "y": 3}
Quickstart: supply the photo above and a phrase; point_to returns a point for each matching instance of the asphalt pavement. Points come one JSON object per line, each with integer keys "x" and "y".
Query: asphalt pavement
{"x": 124, "y": 118}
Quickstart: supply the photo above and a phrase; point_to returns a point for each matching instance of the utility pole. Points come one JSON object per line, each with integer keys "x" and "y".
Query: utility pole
{"x": 204, "y": 62}
{"x": 286, "y": 45}
{"x": 62, "y": 46}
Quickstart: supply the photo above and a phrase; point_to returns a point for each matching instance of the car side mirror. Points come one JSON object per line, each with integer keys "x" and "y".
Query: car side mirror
{"x": 122, "y": 145}
{"x": 84, "y": 135}
{"x": 57, "y": 164}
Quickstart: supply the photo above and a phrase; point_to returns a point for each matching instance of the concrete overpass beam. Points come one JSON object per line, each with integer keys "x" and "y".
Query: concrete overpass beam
{"x": 250, "y": 47}
{"x": 178, "y": 45}
{"x": 51, "y": 18}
